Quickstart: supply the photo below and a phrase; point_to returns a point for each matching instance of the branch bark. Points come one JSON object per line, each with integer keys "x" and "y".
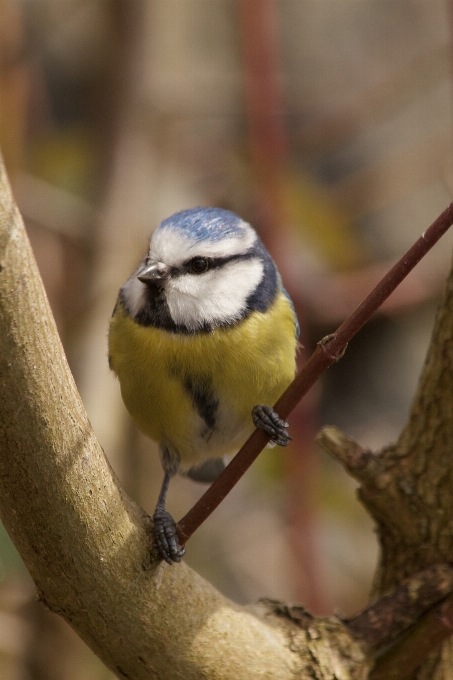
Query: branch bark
{"x": 400, "y": 662}
{"x": 406, "y": 488}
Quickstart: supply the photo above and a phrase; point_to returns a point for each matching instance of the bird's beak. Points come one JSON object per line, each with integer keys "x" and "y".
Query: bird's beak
{"x": 154, "y": 273}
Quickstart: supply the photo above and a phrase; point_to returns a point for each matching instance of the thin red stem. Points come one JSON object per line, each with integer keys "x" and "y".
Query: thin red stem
{"x": 327, "y": 352}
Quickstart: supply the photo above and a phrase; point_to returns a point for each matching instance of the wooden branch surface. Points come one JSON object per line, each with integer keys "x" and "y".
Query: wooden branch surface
{"x": 407, "y": 489}
{"x": 401, "y": 661}
{"x": 392, "y": 614}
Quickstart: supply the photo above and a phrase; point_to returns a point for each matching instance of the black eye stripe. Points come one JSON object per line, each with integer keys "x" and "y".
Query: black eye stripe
{"x": 213, "y": 262}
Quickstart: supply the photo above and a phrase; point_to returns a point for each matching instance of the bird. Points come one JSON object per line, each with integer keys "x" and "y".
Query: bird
{"x": 203, "y": 339}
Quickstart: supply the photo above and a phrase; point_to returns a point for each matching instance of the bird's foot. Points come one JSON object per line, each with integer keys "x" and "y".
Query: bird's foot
{"x": 265, "y": 418}
{"x": 166, "y": 537}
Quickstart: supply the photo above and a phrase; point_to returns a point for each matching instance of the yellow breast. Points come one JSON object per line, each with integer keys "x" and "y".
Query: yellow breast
{"x": 195, "y": 393}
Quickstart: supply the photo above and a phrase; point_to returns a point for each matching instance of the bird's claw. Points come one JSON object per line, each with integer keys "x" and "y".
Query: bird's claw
{"x": 166, "y": 537}
{"x": 265, "y": 418}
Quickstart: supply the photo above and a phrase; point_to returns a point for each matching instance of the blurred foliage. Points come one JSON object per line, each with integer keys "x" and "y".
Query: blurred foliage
{"x": 64, "y": 158}
{"x": 323, "y": 226}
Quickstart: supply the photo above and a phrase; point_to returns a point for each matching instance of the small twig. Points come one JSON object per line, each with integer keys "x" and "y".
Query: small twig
{"x": 392, "y": 614}
{"x": 326, "y": 353}
{"x": 403, "y": 658}
{"x": 362, "y": 464}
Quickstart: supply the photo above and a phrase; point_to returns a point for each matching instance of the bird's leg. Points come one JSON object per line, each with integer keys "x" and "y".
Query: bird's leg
{"x": 165, "y": 527}
{"x": 265, "y": 418}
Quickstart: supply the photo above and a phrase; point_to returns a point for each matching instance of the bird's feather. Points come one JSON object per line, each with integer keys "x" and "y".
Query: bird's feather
{"x": 195, "y": 393}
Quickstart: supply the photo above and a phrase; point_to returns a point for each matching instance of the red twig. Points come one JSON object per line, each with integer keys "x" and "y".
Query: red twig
{"x": 327, "y": 352}
{"x": 264, "y": 103}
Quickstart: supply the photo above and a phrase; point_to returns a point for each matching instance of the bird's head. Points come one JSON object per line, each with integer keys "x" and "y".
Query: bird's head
{"x": 205, "y": 268}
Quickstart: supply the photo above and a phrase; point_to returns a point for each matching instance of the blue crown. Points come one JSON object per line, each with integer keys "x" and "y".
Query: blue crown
{"x": 206, "y": 224}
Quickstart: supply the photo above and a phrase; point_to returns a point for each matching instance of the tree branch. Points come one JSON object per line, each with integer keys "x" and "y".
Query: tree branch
{"x": 362, "y": 464}
{"x": 406, "y": 488}
{"x": 327, "y": 352}
{"x": 401, "y": 660}
{"x": 387, "y": 618}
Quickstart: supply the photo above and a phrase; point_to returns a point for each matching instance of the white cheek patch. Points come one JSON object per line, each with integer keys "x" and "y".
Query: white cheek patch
{"x": 215, "y": 297}
{"x": 134, "y": 292}
{"x": 174, "y": 247}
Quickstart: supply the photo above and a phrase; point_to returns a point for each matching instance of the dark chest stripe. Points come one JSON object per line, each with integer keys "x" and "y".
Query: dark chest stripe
{"x": 203, "y": 399}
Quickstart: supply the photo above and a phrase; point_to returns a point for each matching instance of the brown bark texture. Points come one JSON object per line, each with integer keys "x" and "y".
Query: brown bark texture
{"x": 408, "y": 486}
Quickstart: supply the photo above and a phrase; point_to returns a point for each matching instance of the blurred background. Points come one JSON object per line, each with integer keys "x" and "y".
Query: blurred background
{"x": 327, "y": 124}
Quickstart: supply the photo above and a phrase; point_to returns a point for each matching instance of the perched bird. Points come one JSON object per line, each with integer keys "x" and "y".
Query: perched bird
{"x": 203, "y": 338}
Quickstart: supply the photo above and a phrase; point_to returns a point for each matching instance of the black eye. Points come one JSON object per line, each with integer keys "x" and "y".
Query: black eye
{"x": 199, "y": 265}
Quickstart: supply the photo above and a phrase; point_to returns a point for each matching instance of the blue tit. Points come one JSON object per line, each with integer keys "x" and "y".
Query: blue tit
{"x": 202, "y": 338}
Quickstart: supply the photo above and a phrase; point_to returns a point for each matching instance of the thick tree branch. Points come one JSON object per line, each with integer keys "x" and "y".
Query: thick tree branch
{"x": 406, "y": 488}
{"x": 392, "y": 614}
{"x": 387, "y": 618}
{"x": 401, "y": 660}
